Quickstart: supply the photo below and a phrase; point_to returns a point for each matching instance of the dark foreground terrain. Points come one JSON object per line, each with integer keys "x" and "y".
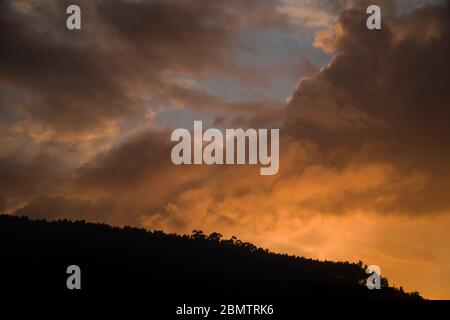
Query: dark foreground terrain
{"x": 133, "y": 262}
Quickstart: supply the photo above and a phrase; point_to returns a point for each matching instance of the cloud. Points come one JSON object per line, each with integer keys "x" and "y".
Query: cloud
{"x": 69, "y": 95}
{"x": 383, "y": 98}
{"x": 21, "y": 180}
{"x": 313, "y": 14}
{"x": 83, "y": 81}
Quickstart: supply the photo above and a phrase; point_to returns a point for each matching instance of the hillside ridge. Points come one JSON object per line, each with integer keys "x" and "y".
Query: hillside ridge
{"x": 130, "y": 261}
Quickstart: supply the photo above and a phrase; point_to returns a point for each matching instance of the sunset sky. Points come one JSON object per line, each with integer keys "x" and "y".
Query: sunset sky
{"x": 364, "y": 119}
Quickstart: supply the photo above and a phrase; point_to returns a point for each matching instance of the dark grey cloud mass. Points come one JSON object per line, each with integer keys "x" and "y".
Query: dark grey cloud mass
{"x": 385, "y": 97}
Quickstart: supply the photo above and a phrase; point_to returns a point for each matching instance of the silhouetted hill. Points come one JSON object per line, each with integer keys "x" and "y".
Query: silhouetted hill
{"x": 133, "y": 262}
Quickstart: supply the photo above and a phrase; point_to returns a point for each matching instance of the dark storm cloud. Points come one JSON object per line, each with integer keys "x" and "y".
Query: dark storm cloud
{"x": 21, "y": 180}
{"x": 195, "y": 35}
{"x": 385, "y": 96}
{"x": 80, "y": 80}
{"x": 62, "y": 89}
{"x": 141, "y": 158}
{"x": 64, "y": 84}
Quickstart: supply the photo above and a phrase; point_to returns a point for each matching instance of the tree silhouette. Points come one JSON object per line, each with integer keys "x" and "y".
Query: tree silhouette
{"x": 134, "y": 262}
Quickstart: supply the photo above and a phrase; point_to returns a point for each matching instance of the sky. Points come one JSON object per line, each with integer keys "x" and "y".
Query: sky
{"x": 364, "y": 119}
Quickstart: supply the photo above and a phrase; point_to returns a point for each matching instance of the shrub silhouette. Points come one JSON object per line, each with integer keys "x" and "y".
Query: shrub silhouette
{"x": 136, "y": 263}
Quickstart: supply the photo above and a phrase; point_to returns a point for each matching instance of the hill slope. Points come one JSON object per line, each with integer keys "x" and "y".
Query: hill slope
{"x": 136, "y": 263}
